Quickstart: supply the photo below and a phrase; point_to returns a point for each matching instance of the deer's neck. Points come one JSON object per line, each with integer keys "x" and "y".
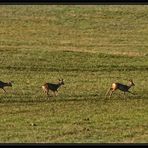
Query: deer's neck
{"x": 59, "y": 84}
{"x": 6, "y": 84}
{"x": 129, "y": 86}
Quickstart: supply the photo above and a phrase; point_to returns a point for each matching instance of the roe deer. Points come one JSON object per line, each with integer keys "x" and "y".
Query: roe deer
{"x": 3, "y": 84}
{"x": 53, "y": 87}
{"x": 122, "y": 87}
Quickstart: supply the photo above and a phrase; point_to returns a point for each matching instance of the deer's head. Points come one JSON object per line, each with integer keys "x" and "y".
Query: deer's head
{"x": 131, "y": 82}
{"x": 10, "y": 83}
{"x": 61, "y": 81}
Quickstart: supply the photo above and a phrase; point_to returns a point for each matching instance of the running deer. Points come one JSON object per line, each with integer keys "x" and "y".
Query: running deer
{"x": 3, "y": 84}
{"x": 53, "y": 87}
{"x": 122, "y": 87}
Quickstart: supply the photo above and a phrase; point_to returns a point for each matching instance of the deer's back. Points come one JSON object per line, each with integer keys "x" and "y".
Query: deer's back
{"x": 121, "y": 87}
{"x": 51, "y": 86}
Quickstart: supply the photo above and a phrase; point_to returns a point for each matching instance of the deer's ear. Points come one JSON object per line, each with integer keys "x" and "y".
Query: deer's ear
{"x": 59, "y": 79}
{"x": 12, "y": 81}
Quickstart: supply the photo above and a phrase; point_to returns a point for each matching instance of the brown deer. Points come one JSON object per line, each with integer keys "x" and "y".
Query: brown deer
{"x": 3, "y": 84}
{"x": 122, "y": 87}
{"x": 53, "y": 87}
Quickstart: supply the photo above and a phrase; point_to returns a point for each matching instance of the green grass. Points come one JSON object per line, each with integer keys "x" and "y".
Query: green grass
{"x": 89, "y": 47}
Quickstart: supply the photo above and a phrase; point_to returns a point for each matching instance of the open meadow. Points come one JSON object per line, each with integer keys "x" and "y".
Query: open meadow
{"x": 90, "y": 47}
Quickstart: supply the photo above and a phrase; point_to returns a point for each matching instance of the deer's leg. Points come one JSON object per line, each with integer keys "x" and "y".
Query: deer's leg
{"x": 124, "y": 94}
{"x": 108, "y": 91}
{"x": 56, "y": 93}
{"x": 130, "y": 92}
{"x": 111, "y": 93}
{"x": 47, "y": 92}
{"x": 53, "y": 93}
{"x": 4, "y": 90}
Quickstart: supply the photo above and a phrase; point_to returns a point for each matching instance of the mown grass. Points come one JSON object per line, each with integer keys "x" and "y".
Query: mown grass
{"x": 89, "y": 47}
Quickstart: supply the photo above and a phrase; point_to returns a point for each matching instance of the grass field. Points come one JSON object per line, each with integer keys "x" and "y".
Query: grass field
{"x": 89, "y": 47}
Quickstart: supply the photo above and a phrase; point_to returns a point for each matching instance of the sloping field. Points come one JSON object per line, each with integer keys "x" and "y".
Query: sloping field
{"x": 89, "y": 47}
